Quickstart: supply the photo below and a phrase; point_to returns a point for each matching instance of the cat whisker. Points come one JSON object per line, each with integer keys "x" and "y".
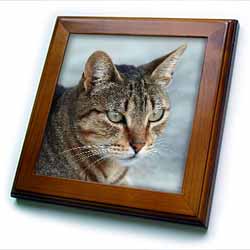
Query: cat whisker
{"x": 165, "y": 147}
{"x": 83, "y": 157}
{"x": 162, "y": 142}
{"x": 154, "y": 153}
{"x": 85, "y": 147}
{"x": 95, "y": 163}
{"x": 92, "y": 152}
{"x": 71, "y": 149}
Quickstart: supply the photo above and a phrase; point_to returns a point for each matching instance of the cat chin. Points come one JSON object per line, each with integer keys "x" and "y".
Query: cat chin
{"x": 129, "y": 162}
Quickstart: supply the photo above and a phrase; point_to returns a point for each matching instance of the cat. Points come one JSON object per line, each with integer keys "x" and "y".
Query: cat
{"x": 110, "y": 120}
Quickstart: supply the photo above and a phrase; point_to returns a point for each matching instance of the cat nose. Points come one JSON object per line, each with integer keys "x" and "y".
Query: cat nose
{"x": 137, "y": 146}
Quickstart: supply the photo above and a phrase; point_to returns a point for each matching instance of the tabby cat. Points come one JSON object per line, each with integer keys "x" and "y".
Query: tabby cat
{"x": 109, "y": 121}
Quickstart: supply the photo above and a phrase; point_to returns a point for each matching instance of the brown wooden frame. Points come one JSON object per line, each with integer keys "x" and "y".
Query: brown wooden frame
{"x": 193, "y": 204}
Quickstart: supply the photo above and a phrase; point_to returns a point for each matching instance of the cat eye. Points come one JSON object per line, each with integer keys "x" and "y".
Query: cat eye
{"x": 115, "y": 116}
{"x": 156, "y": 115}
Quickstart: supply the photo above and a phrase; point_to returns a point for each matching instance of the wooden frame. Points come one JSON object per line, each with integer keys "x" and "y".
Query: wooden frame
{"x": 193, "y": 204}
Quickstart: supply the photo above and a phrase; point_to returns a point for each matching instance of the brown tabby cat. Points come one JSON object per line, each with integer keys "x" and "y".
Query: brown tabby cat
{"x": 100, "y": 127}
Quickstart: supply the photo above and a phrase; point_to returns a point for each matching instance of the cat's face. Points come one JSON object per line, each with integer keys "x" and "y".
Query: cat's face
{"x": 127, "y": 106}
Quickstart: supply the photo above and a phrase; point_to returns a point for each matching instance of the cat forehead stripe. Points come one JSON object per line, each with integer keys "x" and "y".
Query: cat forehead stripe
{"x": 100, "y": 87}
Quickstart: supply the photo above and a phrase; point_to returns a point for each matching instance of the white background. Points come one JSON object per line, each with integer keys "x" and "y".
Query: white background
{"x": 26, "y": 28}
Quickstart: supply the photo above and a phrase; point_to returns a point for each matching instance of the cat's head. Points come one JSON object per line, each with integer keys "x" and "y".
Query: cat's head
{"x": 127, "y": 108}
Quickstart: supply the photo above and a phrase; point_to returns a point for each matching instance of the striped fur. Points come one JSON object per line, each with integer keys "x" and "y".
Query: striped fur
{"x": 81, "y": 142}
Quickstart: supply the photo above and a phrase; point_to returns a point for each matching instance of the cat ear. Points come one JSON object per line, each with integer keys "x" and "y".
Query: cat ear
{"x": 98, "y": 70}
{"x": 162, "y": 69}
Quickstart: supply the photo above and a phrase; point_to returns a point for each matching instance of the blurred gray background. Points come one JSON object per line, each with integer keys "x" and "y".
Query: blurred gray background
{"x": 163, "y": 170}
